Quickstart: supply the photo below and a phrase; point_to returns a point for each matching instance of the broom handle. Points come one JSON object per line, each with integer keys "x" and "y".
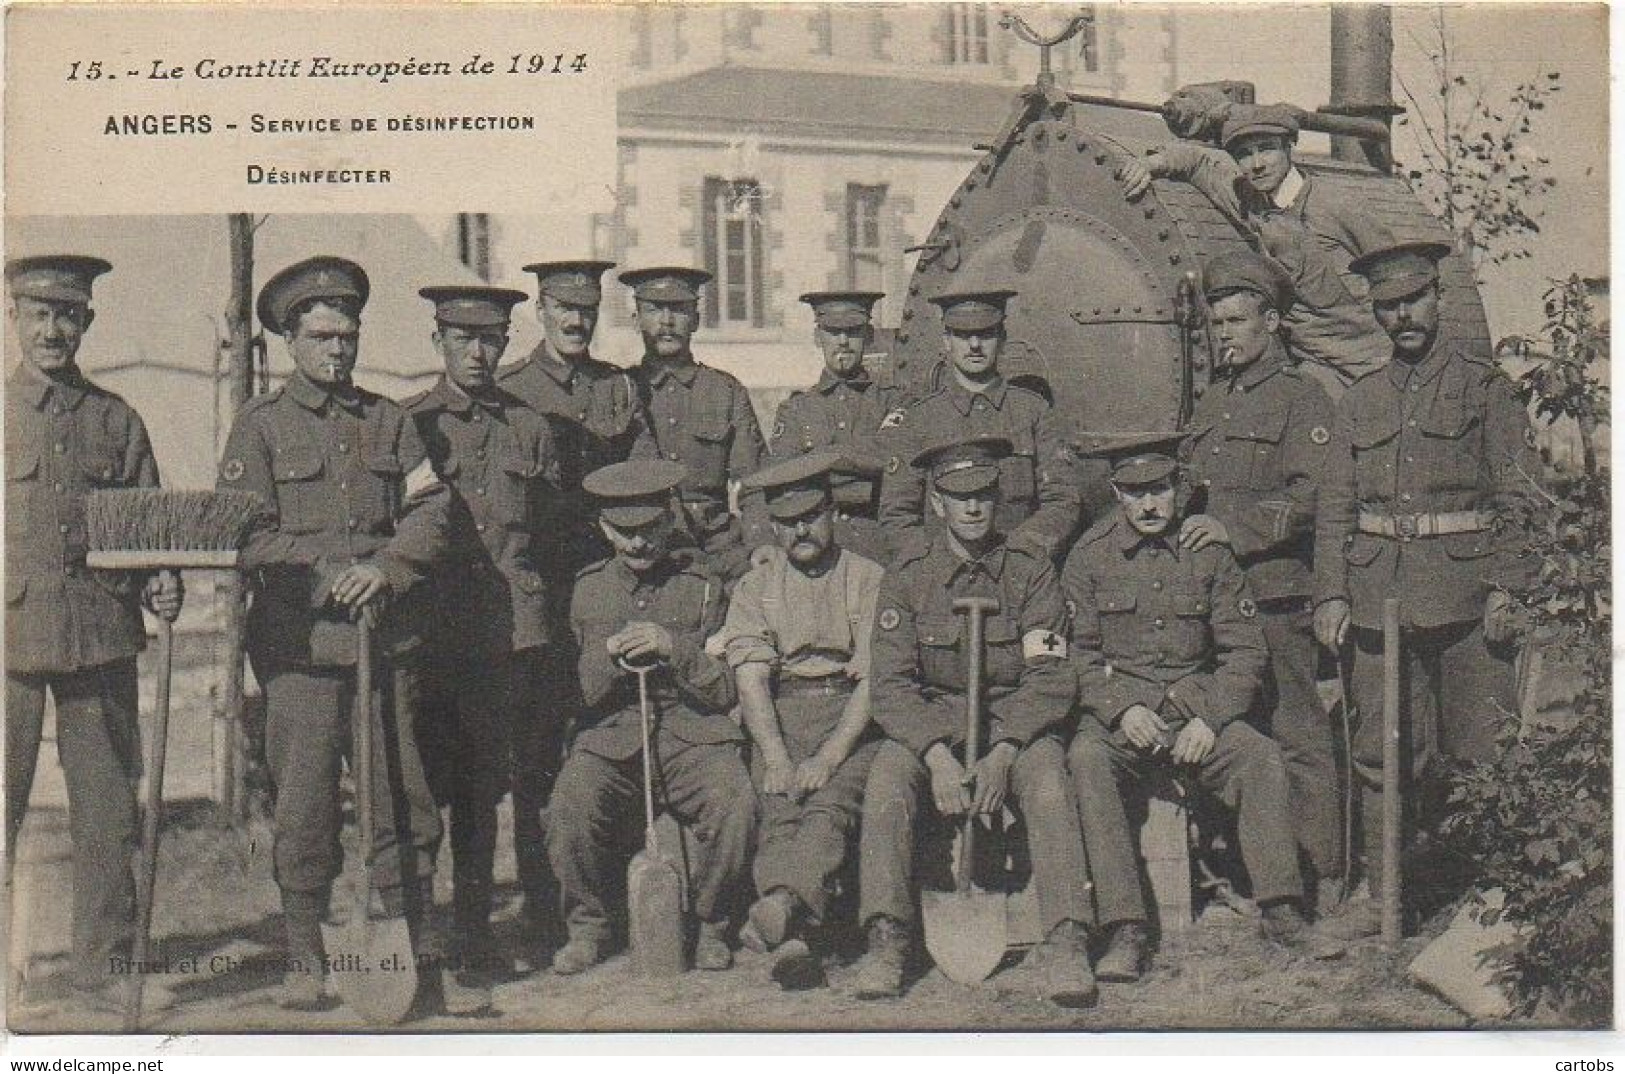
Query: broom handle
{"x": 150, "y": 822}
{"x": 363, "y": 750}
{"x": 1392, "y": 883}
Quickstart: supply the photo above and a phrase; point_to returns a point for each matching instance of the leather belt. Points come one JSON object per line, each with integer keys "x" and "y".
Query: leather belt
{"x": 1438, "y": 524}
{"x": 827, "y": 684}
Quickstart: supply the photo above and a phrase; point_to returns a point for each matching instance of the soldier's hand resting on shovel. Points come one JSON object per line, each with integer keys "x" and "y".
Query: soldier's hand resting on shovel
{"x": 950, "y": 788}
{"x": 991, "y": 779}
{"x": 641, "y": 643}
{"x": 363, "y": 589}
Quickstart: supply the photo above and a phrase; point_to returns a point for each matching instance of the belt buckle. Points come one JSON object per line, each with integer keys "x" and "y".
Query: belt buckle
{"x": 1406, "y": 528}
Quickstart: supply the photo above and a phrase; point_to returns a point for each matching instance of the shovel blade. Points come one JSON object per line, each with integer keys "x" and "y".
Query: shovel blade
{"x": 965, "y": 932}
{"x": 373, "y": 967}
{"x": 654, "y": 888}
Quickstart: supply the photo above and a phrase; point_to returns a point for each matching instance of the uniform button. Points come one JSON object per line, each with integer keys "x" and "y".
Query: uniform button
{"x": 1159, "y": 623}
{"x": 480, "y": 526}
{"x": 355, "y": 523}
{"x": 478, "y": 416}
{"x": 1215, "y": 449}
{"x": 480, "y": 491}
{"x": 642, "y": 604}
{"x": 58, "y": 486}
{"x": 1408, "y": 458}
{"x": 1405, "y": 497}
{"x": 344, "y": 486}
{"x": 1156, "y": 585}
{"x": 479, "y": 453}
{"x": 674, "y": 457}
{"x": 980, "y": 404}
{"x": 1411, "y": 423}
{"x": 840, "y": 425}
{"x": 1416, "y": 387}
{"x": 1227, "y": 416}
{"x": 671, "y": 421}
{"x": 59, "y": 447}
{"x": 581, "y": 415}
{"x": 63, "y": 527}
{"x": 57, "y": 410}
{"x": 344, "y": 445}
{"x": 807, "y": 445}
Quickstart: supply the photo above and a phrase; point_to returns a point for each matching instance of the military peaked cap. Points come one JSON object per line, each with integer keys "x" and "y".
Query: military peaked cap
{"x": 964, "y": 464}
{"x": 973, "y": 311}
{"x": 1137, "y": 458}
{"x": 54, "y": 277}
{"x": 634, "y": 493}
{"x": 1244, "y": 270}
{"x": 1245, "y": 119}
{"x": 666, "y": 284}
{"x": 842, "y": 309}
{"x": 316, "y": 277}
{"x": 795, "y": 486}
{"x": 473, "y": 307}
{"x": 575, "y": 282}
{"x": 1402, "y": 269}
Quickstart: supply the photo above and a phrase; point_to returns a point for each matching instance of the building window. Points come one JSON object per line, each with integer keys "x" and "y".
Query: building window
{"x": 967, "y": 33}
{"x": 474, "y": 242}
{"x": 733, "y": 252}
{"x": 1089, "y": 40}
{"x": 863, "y": 216}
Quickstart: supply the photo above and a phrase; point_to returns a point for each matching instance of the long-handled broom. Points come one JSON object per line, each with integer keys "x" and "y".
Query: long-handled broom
{"x": 161, "y": 529}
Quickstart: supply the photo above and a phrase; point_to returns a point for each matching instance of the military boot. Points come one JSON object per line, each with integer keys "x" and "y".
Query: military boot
{"x": 304, "y": 976}
{"x": 444, "y": 986}
{"x": 772, "y": 920}
{"x": 880, "y": 971}
{"x": 1126, "y": 955}
{"x": 711, "y": 950}
{"x": 1068, "y": 980}
{"x": 583, "y": 951}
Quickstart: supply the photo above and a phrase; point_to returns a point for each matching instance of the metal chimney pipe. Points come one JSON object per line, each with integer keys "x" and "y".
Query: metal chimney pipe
{"x": 1362, "y": 40}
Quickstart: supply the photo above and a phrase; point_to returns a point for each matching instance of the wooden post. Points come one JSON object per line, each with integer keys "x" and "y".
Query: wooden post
{"x": 1392, "y": 777}
{"x": 229, "y": 736}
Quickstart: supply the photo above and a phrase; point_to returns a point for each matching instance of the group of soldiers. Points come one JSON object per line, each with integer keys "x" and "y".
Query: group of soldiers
{"x": 532, "y": 542}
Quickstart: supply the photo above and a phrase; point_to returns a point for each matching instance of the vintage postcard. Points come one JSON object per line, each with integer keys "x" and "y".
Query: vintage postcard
{"x": 806, "y": 517}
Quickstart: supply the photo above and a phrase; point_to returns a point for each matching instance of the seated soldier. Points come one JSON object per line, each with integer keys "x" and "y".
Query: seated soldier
{"x": 1170, "y": 658}
{"x": 921, "y": 774}
{"x": 797, "y": 637}
{"x": 648, "y": 604}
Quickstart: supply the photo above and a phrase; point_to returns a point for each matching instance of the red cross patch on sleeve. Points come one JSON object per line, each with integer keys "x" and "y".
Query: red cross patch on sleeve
{"x": 1042, "y": 643}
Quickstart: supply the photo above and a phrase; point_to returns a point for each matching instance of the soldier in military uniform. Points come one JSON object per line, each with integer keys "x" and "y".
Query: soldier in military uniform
{"x": 697, "y": 416}
{"x": 353, "y": 519}
{"x": 920, "y": 774}
{"x": 1308, "y": 227}
{"x": 843, "y": 411}
{"x": 70, "y": 631}
{"x": 1169, "y": 658}
{"x": 1255, "y": 453}
{"x": 593, "y": 408}
{"x": 649, "y": 604}
{"x": 1039, "y": 503}
{"x": 491, "y": 603}
{"x": 1427, "y": 458}
{"x": 797, "y": 638}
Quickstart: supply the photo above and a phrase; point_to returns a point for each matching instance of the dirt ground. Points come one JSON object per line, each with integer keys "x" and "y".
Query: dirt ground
{"x": 217, "y": 906}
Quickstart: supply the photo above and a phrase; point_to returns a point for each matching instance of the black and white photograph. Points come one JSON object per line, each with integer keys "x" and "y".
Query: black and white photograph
{"x": 1179, "y": 434}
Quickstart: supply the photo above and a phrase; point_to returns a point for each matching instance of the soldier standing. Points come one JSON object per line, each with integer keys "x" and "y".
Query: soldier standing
{"x": 843, "y": 411}
{"x": 1039, "y": 501}
{"x": 1427, "y": 458}
{"x": 649, "y": 604}
{"x": 797, "y": 638}
{"x": 593, "y": 409}
{"x": 491, "y": 621}
{"x": 71, "y": 631}
{"x": 1170, "y": 659}
{"x": 1256, "y": 450}
{"x": 697, "y": 416}
{"x": 920, "y": 773}
{"x": 353, "y": 519}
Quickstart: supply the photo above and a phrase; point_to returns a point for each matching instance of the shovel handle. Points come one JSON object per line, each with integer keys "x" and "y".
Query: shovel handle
{"x": 363, "y": 746}
{"x": 151, "y": 819}
{"x": 645, "y": 718}
{"x": 975, "y": 610}
{"x": 1392, "y": 880}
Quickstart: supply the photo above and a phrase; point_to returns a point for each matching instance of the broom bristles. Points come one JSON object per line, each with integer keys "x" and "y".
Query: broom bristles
{"x": 168, "y": 520}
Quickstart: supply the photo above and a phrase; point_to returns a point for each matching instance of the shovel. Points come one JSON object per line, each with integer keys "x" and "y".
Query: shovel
{"x": 654, "y": 883}
{"x": 965, "y": 929}
{"x": 372, "y": 961}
